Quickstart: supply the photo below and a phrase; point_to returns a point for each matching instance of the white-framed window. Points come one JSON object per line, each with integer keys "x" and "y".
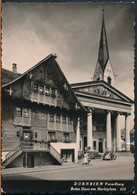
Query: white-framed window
{"x": 41, "y": 89}
{"x": 51, "y": 117}
{"x": 25, "y": 112}
{"x": 47, "y": 91}
{"x": 70, "y": 121}
{"x": 18, "y": 111}
{"x": 22, "y": 116}
{"x": 53, "y": 92}
{"x": 66, "y": 136}
{"x": 64, "y": 119}
{"x": 35, "y": 87}
{"x": 51, "y": 136}
{"x": 57, "y": 118}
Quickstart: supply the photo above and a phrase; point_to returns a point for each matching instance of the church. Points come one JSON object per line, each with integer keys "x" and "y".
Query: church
{"x": 46, "y": 120}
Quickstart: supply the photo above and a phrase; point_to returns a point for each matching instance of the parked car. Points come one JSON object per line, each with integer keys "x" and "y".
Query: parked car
{"x": 94, "y": 155}
{"x": 109, "y": 156}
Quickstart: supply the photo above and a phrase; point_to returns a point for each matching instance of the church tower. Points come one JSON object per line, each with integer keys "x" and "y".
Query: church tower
{"x": 103, "y": 69}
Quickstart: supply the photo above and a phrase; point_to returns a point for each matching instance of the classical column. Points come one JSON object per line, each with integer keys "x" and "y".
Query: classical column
{"x": 78, "y": 134}
{"x": 89, "y": 130}
{"x": 77, "y": 139}
{"x": 108, "y": 132}
{"x": 118, "y": 133}
{"x": 127, "y": 133}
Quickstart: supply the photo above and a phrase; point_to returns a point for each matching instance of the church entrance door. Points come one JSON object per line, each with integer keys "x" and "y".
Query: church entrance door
{"x": 85, "y": 142}
{"x": 100, "y": 146}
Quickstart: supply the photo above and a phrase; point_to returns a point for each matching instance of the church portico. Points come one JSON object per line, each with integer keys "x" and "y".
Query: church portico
{"x": 100, "y": 130}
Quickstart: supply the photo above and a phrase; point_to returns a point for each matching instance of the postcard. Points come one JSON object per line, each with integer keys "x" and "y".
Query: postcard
{"x": 68, "y": 97}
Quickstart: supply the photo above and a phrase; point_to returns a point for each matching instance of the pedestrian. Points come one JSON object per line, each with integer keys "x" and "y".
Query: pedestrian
{"x": 85, "y": 160}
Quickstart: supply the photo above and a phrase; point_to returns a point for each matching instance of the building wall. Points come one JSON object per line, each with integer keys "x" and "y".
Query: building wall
{"x": 9, "y": 130}
{"x": 46, "y": 159}
{"x": 12, "y": 128}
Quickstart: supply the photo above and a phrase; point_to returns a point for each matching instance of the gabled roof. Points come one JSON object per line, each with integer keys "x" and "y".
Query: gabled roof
{"x": 7, "y": 76}
{"x": 22, "y": 75}
{"x": 38, "y": 64}
{"x": 77, "y": 86}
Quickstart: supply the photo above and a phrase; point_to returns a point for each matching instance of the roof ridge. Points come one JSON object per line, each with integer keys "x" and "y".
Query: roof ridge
{"x": 46, "y": 58}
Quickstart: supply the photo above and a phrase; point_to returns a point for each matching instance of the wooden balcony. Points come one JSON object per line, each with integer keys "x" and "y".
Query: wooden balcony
{"x": 39, "y": 98}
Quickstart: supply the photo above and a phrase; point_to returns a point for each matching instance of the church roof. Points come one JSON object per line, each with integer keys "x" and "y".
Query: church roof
{"x": 103, "y": 54}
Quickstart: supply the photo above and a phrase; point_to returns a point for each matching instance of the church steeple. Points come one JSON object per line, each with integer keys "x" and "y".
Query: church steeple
{"x": 103, "y": 54}
{"x": 103, "y": 70}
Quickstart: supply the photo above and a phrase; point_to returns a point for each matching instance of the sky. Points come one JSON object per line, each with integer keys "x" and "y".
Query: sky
{"x": 32, "y": 31}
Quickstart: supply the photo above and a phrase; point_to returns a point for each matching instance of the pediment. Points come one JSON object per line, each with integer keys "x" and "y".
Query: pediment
{"x": 102, "y": 90}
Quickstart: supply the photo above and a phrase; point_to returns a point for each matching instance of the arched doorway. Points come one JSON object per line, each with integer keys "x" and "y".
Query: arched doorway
{"x": 28, "y": 160}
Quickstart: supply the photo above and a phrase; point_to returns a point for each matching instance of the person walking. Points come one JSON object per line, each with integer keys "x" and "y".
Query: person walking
{"x": 85, "y": 160}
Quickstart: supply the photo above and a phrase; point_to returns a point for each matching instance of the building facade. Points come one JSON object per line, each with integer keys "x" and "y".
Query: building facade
{"x": 39, "y": 121}
{"x": 45, "y": 120}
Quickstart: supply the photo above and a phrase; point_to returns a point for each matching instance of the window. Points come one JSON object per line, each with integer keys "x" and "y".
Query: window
{"x": 36, "y": 135}
{"x": 35, "y": 87}
{"x": 98, "y": 78}
{"x": 70, "y": 120}
{"x": 22, "y": 116}
{"x": 53, "y": 92}
{"x": 57, "y": 118}
{"x": 80, "y": 144}
{"x": 47, "y": 91}
{"x": 18, "y": 111}
{"x": 26, "y": 113}
{"x": 66, "y": 136}
{"x": 109, "y": 80}
{"x": 48, "y": 75}
{"x": 51, "y": 135}
{"x": 94, "y": 128}
{"x": 94, "y": 145}
{"x": 51, "y": 117}
{"x": 64, "y": 119}
{"x": 41, "y": 89}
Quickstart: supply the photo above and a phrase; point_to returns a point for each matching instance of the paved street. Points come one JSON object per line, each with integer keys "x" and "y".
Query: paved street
{"x": 120, "y": 169}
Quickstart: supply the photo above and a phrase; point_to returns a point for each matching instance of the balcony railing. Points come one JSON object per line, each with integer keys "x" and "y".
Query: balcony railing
{"x": 40, "y": 98}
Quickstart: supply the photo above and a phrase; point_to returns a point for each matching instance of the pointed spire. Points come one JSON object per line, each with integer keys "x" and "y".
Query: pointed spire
{"x": 103, "y": 54}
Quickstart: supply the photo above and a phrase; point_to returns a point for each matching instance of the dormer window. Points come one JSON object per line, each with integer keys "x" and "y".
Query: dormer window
{"x": 109, "y": 80}
{"x": 98, "y": 79}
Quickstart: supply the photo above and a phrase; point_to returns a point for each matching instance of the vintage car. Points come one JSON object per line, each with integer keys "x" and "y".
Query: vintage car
{"x": 94, "y": 155}
{"x": 109, "y": 156}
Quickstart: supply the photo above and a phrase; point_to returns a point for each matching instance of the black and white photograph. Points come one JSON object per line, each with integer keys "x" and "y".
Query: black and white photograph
{"x": 67, "y": 97}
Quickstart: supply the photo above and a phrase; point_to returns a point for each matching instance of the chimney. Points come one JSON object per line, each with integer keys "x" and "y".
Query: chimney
{"x": 14, "y": 68}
